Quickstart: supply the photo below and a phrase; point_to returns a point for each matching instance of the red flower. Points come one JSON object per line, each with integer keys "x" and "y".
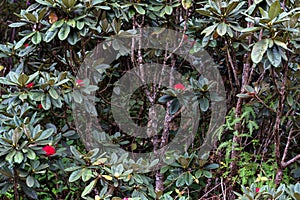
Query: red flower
{"x": 29, "y": 85}
{"x": 79, "y": 83}
{"x": 256, "y": 189}
{"x": 50, "y": 150}
{"x": 26, "y": 45}
{"x": 179, "y": 86}
{"x": 40, "y": 106}
{"x": 126, "y": 198}
{"x": 185, "y": 37}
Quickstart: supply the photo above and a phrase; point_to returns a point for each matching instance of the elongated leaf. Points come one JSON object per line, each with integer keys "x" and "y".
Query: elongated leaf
{"x": 204, "y": 12}
{"x": 168, "y": 10}
{"x": 204, "y": 104}
{"x": 75, "y": 175}
{"x": 209, "y": 30}
{"x": 79, "y": 25}
{"x": 186, "y": 4}
{"x": 251, "y": 29}
{"x": 174, "y": 107}
{"x": 21, "y": 42}
{"x": 49, "y": 35}
{"x": 19, "y": 157}
{"x": 46, "y": 102}
{"x": 64, "y": 32}
{"x": 139, "y": 9}
{"x": 274, "y": 10}
{"x": 257, "y": 1}
{"x": 30, "y": 181}
{"x": 69, "y": 3}
{"x": 231, "y": 6}
{"x": 274, "y": 56}
{"x": 222, "y": 29}
{"x": 53, "y": 93}
{"x": 17, "y": 24}
{"x": 281, "y": 44}
{"x": 22, "y": 80}
{"x": 89, "y": 188}
{"x": 259, "y": 50}
{"x": 36, "y": 38}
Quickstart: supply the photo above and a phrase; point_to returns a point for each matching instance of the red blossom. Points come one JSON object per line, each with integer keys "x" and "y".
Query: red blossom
{"x": 126, "y": 198}
{"x": 185, "y": 37}
{"x": 179, "y": 86}
{"x": 26, "y": 45}
{"x": 79, "y": 83}
{"x": 29, "y": 85}
{"x": 40, "y": 106}
{"x": 257, "y": 189}
{"x": 50, "y": 150}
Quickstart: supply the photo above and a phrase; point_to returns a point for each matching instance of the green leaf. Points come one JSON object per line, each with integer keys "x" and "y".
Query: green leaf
{"x": 209, "y": 30}
{"x": 207, "y": 174}
{"x": 204, "y": 12}
{"x": 274, "y": 56}
{"x": 10, "y": 156}
{"x": 36, "y": 38}
{"x": 263, "y": 13}
{"x": 42, "y": 14}
{"x": 21, "y": 42}
{"x": 174, "y": 107}
{"x": 222, "y": 29}
{"x": 45, "y": 3}
{"x": 89, "y": 188}
{"x": 64, "y": 32}
{"x": 53, "y": 93}
{"x": 77, "y": 96}
{"x": 243, "y": 96}
{"x": 49, "y": 35}
{"x": 212, "y": 166}
{"x": 231, "y": 6}
{"x": 30, "y": 154}
{"x": 71, "y": 22}
{"x": 251, "y": 29}
{"x": 29, "y": 192}
{"x": 45, "y": 134}
{"x": 79, "y": 25}
{"x": 23, "y": 78}
{"x": 69, "y": 3}
{"x": 274, "y": 10}
{"x": 281, "y": 44}
{"x": 17, "y": 24}
{"x": 257, "y": 1}
{"x": 180, "y": 181}
{"x": 204, "y": 104}
{"x": 17, "y": 134}
{"x": 31, "y": 17}
{"x": 168, "y": 10}
{"x": 188, "y": 179}
{"x": 139, "y": 9}
{"x": 248, "y": 88}
{"x": 87, "y": 175}
{"x": 165, "y": 98}
{"x": 290, "y": 100}
{"x": 259, "y": 50}
{"x": 75, "y": 175}
{"x": 95, "y": 2}
{"x": 73, "y": 38}
{"x": 46, "y": 102}
{"x": 30, "y": 181}
{"x": 186, "y": 4}
{"x": 19, "y": 157}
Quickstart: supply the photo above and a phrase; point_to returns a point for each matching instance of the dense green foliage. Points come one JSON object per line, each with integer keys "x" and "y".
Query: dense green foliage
{"x": 256, "y": 46}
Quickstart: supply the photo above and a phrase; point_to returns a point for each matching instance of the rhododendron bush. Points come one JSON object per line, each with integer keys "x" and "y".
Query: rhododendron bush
{"x": 46, "y": 153}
